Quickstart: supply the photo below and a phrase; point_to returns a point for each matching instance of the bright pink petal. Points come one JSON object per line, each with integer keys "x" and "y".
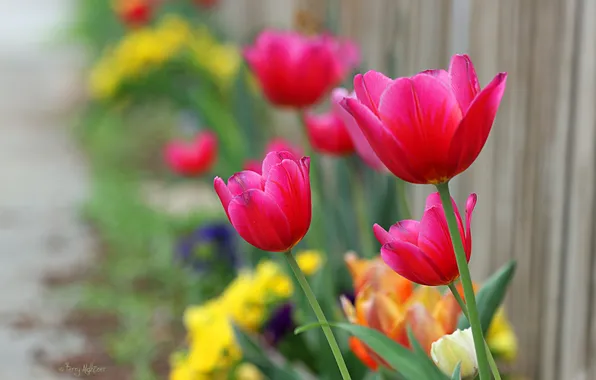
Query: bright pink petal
{"x": 434, "y": 200}
{"x": 314, "y": 75}
{"x": 286, "y": 184}
{"x": 470, "y": 137}
{"x": 279, "y": 145}
{"x": 410, "y": 262}
{"x": 470, "y": 205}
{"x": 274, "y": 158}
{"x": 440, "y": 74}
{"x": 435, "y": 241}
{"x": 382, "y": 235}
{"x": 224, "y": 194}
{"x": 328, "y": 134}
{"x": 406, "y": 230}
{"x": 369, "y": 88}
{"x": 244, "y": 181}
{"x": 259, "y": 220}
{"x": 387, "y": 148}
{"x": 422, "y": 114}
{"x": 464, "y": 81}
{"x": 363, "y": 148}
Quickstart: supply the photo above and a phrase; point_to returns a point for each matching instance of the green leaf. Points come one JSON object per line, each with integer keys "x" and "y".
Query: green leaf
{"x": 491, "y": 296}
{"x": 255, "y": 354}
{"x": 408, "y": 363}
{"x": 457, "y": 372}
{"x": 429, "y": 366}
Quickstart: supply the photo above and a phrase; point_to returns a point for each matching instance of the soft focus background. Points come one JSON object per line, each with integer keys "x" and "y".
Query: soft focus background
{"x": 535, "y": 178}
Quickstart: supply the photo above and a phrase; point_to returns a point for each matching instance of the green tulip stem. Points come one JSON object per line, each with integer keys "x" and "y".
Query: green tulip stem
{"x": 491, "y": 360}
{"x": 359, "y": 203}
{"x": 343, "y": 369}
{"x": 466, "y": 280}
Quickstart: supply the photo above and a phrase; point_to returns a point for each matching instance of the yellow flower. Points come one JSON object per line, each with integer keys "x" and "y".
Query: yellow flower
{"x": 244, "y": 303}
{"x": 309, "y": 261}
{"x": 501, "y": 338}
{"x": 456, "y": 348}
{"x": 248, "y": 371}
{"x": 212, "y": 343}
{"x": 272, "y": 282}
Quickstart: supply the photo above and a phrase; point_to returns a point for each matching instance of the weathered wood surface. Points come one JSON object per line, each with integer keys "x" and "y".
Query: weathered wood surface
{"x": 536, "y": 177}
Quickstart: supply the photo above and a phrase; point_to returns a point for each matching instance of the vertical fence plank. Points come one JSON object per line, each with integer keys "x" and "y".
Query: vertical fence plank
{"x": 536, "y": 176}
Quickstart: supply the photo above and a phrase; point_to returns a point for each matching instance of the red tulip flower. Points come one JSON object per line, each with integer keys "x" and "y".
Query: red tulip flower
{"x": 275, "y": 145}
{"x": 430, "y": 127}
{"x": 270, "y": 211}
{"x": 135, "y": 12}
{"x": 279, "y": 145}
{"x": 363, "y": 148}
{"x": 253, "y": 165}
{"x": 422, "y": 251}
{"x": 296, "y": 70}
{"x": 192, "y": 158}
{"x": 328, "y": 134}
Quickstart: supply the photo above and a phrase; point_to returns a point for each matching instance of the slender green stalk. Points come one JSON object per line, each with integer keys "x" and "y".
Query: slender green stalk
{"x": 320, "y": 315}
{"x": 404, "y": 208}
{"x": 364, "y": 224}
{"x": 466, "y": 280}
{"x": 491, "y": 361}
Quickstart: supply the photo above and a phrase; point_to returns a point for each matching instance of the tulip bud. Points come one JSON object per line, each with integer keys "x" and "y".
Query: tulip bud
{"x": 456, "y": 348}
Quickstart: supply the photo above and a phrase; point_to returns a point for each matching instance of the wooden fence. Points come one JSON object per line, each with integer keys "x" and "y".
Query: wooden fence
{"x": 536, "y": 177}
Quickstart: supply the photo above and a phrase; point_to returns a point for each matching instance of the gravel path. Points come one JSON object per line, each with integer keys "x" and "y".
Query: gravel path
{"x": 42, "y": 184}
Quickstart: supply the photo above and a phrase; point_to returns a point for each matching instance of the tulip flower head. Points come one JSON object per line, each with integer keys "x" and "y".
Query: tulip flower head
{"x": 328, "y": 134}
{"x": 361, "y": 144}
{"x": 272, "y": 210}
{"x": 430, "y": 127}
{"x": 455, "y": 348}
{"x": 276, "y": 144}
{"x": 192, "y": 158}
{"x": 296, "y": 70}
{"x": 422, "y": 251}
{"x": 134, "y": 13}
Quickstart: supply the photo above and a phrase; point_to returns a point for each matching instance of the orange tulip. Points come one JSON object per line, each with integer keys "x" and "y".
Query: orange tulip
{"x": 389, "y": 303}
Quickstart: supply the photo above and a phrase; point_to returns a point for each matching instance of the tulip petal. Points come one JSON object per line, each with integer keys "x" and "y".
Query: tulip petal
{"x": 275, "y": 158}
{"x": 243, "y": 181}
{"x": 464, "y": 81}
{"x": 440, "y": 74}
{"x": 471, "y": 135}
{"x": 387, "y": 148}
{"x": 363, "y": 148}
{"x": 470, "y": 205}
{"x": 224, "y": 194}
{"x": 434, "y": 240}
{"x": 291, "y": 190}
{"x": 434, "y": 200}
{"x": 382, "y": 235}
{"x": 422, "y": 113}
{"x": 410, "y": 262}
{"x": 259, "y": 220}
{"x": 369, "y": 88}
{"x": 425, "y": 328}
{"x": 405, "y": 230}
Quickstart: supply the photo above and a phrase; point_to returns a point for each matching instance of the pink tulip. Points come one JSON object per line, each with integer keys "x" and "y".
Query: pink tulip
{"x": 253, "y": 165}
{"x": 422, "y": 251}
{"x": 430, "y": 127}
{"x": 270, "y": 211}
{"x": 328, "y": 134}
{"x": 296, "y": 70}
{"x": 361, "y": 144}
{"x": 192, "y": 158}
{"x": 279, "y": 145}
